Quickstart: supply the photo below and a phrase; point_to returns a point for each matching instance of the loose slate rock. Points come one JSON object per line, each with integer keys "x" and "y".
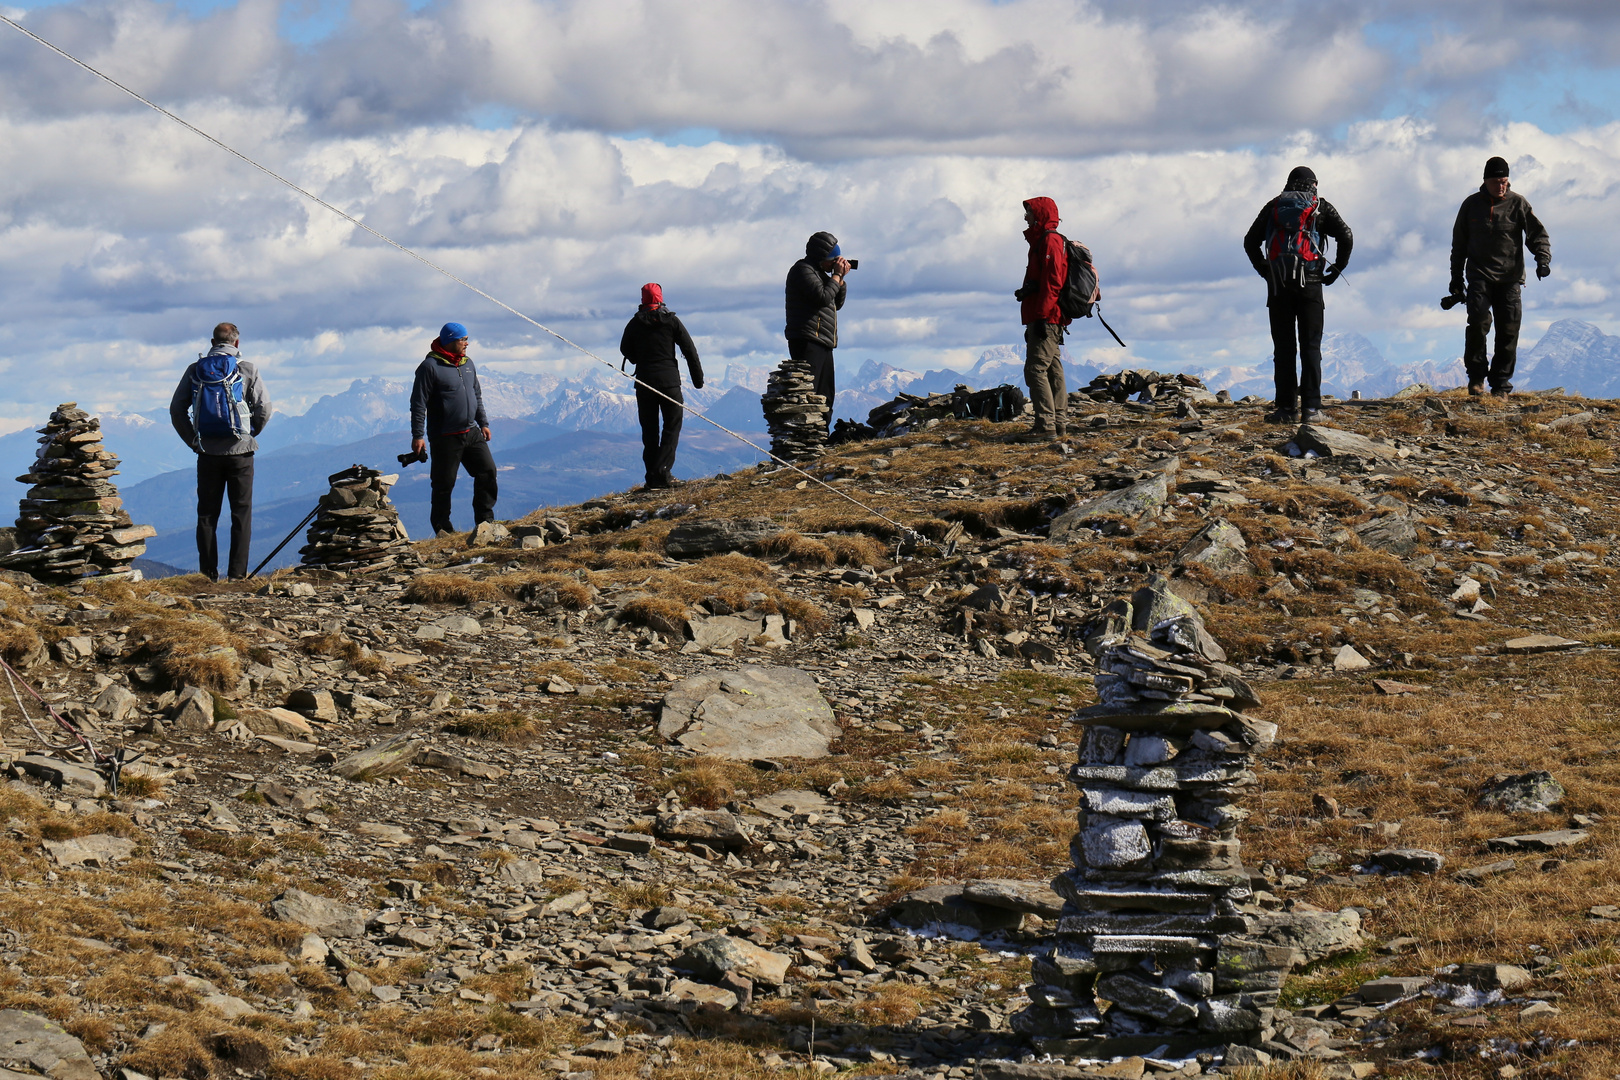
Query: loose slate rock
{"x": 1542, "y": 841}
{"x": 392, "y": 755}
{"x": 1408, "y": 861}
{"x": 1219, "y": 546}
{"x": 1540, "y": 643}
{"x": 1528, "y": 793}
{"x": 754, "y": 712}
{"x": 698, "y": 539}
{"x": 1139, "y": 503}
{"x": 1393, "y": 533}
{"x": 101, "y": 851}
{"x": 715, "y": 956}
{"x": 40, "y": 1045}
{"x": 1332, "y": 442}
{"x": 326, "y": 917}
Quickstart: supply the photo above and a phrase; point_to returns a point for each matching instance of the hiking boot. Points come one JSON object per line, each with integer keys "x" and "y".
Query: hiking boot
{"x": 1311, "y": 416}
{"x": 1501, "y": 391}
{"x": 1283, "y": 414}
{"x": 442, "y": 533}
{"x": 1476, "y": 389}
{"x": 1060, "y": 431}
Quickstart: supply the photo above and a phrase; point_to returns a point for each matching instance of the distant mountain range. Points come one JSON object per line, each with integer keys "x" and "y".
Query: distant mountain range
{"x": 562, "y": 440}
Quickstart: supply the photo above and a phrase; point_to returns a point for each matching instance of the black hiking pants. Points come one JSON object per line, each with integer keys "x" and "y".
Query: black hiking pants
{"x": 449, "y": 454}
{"x": 1486, "y": 297}
{"x": 1296, "y": 330}
{"x": 658, "y": 448}
{"x": 820, "y": 359}
{"x": 217, "y": 476}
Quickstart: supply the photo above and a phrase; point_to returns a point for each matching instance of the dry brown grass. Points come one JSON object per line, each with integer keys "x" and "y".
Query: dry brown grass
{"x": 451, "y": 589}
{"x": 192, "y": 650}
{"x": 357, "y": 656}
{"x": 504, "y": 725}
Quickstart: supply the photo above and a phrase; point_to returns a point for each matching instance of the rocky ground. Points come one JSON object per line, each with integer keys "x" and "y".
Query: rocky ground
{"x": 489, "y": 816}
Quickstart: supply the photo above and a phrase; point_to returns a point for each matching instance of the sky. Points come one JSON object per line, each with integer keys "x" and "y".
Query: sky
{"x": 559, "y": 153}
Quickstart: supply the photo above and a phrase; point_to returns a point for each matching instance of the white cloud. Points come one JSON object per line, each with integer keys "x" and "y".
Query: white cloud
{"x": 125, "y": 238}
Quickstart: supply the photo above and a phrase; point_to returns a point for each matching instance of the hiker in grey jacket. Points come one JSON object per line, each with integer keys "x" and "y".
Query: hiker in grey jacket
{"x": 447, "y": 411}
{"x": 224, "y": 462}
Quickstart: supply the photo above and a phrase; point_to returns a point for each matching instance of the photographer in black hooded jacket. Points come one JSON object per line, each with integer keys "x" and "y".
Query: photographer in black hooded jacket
{"x": 649, "y": 342}
{"x": 815, "y": 294}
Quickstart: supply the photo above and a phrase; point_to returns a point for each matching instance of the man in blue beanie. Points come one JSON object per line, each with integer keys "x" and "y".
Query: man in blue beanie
{"x": 447, "y": 410}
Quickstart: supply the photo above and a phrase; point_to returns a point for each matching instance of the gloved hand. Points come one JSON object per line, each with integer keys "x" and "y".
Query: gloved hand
{"x": 1543, "y": 270}
{"x": 697, "y": 384}
{"x": 1018, "y": 294}
{"x": 1331, "y": 274}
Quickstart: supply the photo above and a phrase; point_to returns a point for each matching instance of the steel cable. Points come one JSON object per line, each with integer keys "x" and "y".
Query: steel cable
{"x": 194, "y": 129}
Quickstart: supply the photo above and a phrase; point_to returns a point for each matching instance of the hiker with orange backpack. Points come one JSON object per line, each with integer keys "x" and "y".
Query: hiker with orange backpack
{"x": 1286, "y": 247}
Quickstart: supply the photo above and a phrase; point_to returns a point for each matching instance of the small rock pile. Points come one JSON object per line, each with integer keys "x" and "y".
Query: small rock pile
{"x": 1153, "y": 924}
{"x": 72, "y": 523}
{"x": 911, "y": 412}
{"x": 1148, "y": 387}
{"x": 796, "y": 416}
{"x": 357, "y": 528}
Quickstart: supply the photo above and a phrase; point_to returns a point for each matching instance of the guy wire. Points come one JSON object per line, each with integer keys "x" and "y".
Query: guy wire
{"x": 194, "y": 129}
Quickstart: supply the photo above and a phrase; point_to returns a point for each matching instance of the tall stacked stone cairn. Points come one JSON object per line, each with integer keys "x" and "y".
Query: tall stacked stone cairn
{"x": 357, "y": 528}
{"x": 72, "y": 523}
{"x": 795, "y": 415}
{"x": 1151, "y": 953}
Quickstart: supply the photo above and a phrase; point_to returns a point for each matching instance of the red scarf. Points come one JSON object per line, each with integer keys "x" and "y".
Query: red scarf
{"x": 447, "y": 357}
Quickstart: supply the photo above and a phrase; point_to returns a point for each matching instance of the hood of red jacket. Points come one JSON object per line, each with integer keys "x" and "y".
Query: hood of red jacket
{"x": 1046, "y": 214}
{"x": 652, "y": 296}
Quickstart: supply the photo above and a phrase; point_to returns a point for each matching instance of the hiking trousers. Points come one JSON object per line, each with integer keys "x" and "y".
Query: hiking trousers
{"x": 449, "y": 454}
{"x": 1501, "y": 298}
{"x": 1043, "y": 371}
{"x": 820, "y": 359}
{"x": 658, "y": 448}
{"x": 217, "y": 476}
{"x": 1296, "y": 329}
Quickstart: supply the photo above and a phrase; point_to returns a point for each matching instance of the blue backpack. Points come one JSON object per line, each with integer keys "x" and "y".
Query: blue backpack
{"x": 218, "y": 404}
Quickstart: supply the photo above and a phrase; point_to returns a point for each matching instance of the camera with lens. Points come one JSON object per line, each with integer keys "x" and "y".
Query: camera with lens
{"x": 414, "y": 455}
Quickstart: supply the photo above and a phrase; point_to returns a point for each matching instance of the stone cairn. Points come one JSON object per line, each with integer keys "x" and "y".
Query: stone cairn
{"x": 72, "y": 523}
{"x": 795, "y": 414}
{"x": 357, "y": 527}
{"x": 1152, "y": 923}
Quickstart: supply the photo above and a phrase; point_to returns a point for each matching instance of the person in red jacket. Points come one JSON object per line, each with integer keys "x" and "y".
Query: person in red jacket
{"x": 1043, "y": 319}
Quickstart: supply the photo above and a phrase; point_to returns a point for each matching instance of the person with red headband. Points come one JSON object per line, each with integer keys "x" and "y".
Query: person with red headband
{"x": 649, "y": 342}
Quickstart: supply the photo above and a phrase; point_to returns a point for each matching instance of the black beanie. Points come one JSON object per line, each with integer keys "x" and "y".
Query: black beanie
{"x": 1301, "y": 179}
{"x": 1496, "y": 168}
{"x": 819, "y": 246}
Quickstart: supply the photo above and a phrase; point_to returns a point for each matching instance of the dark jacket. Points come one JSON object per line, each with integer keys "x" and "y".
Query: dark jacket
{"x": 446, "y": 398}
{"x": 813, "y": 298}
{"x": 1490, "y": 236}
{"x": 253, "y": 392}
{"x": 649, "y": 342}
{"x": 1048, "y": 267}
{"x": 1328, "y": 223}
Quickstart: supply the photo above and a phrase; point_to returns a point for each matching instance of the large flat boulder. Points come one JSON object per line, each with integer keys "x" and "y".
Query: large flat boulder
{"x": 1332, "y": 442}
{"x": 1218, "y": 546}
{"x": 749, "y": 714}
{"x": 329, "y": 918}
{"x": 1394, "y": 533}
{"x": 717, "y": 956}
{"x": 32, "y": 1043}
{"x": 1134, "y": 505}
{"x": 697, "y": 539}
